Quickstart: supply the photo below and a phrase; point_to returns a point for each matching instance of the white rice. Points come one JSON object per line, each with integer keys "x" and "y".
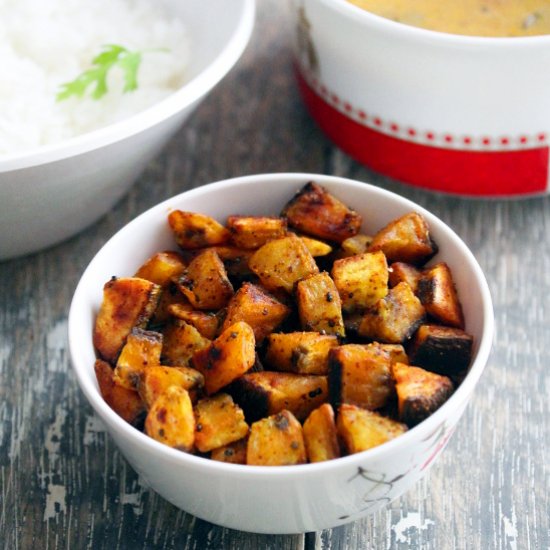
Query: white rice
{"x": 46, "y": 43}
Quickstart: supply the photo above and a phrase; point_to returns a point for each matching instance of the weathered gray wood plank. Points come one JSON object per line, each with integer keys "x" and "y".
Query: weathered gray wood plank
{"x": 62, "y": 481}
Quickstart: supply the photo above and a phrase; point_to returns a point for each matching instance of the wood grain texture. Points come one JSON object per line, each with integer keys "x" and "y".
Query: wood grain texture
{"x": 63, "y": 482}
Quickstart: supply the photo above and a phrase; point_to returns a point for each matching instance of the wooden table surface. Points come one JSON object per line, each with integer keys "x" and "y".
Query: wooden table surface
{"x": 64, "y": 484}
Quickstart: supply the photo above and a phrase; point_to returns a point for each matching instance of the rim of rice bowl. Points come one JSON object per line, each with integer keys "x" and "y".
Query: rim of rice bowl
{"x": 110, "y": 133}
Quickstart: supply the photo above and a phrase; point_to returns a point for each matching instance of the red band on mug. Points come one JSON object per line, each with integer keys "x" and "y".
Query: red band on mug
{"x": 450, "y": 170}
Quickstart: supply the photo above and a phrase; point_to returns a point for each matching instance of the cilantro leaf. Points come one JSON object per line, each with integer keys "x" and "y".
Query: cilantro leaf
{"x": 130, "y": 63}
{"x": 112, "y": 55}
{"x": 109, "y": 55}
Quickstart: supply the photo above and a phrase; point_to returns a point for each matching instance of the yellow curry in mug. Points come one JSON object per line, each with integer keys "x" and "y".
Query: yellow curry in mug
{"x": 468, "y": 17}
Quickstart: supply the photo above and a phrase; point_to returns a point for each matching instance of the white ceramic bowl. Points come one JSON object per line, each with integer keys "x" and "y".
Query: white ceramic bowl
{"x": 50, "y": 193}
{"x": 458, "y": 114}
{"x": 287, "y": 499}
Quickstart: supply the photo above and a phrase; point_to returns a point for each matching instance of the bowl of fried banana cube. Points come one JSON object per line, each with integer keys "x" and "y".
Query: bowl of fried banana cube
{"x": 281, "y": 353}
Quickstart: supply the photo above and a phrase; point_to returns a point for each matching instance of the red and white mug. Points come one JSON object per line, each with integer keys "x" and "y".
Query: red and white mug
{"x": 455, "y": 114}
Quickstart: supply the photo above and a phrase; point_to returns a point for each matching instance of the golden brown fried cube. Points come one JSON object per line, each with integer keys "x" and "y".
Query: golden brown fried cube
{"x": 361, "y": 280}
{"x": 226, "y": 358}
{"x": 205, "y": 283}
{"x": 437, "y": 292}
{"x": 358, "y": 244}
{"x": 233, "y": 453}
{"x": 360, "y": 430}
{"x": 250, "y": 232}
{"x": 319, "y": 305}
{"x": 299, "y": 352}
{"x": 206, "y": 322}
{"x": 218, "y": 422}
{"x": 316, "y": 247}
{"x": 320, "y": 435}
{"x": 161, "y": 268}
{"x": 181, "y": 342}
{"x": 401, "y": 272}
{"x": 396, "y": 352}
{"x": 394, "y": 318}
{"x": 192, "y": 230}
{"x": 126, "y": 403}
{"x": 316, "y": 212}
{"x": 281, "y": 263}
{"x": 127, "y": 303}
{"x": 254, "y": 305}
{"x": 419, "y": 392}
{"x": 276, "y": 441}
{"x": 264, "y": 393}
{"x": 360, "y": 375}
{"x": 406, "y": 239}
{"x": 171, "y": 421}
{"x": 141, "y": 350}
{"x": 156, "y": 380}
{"x": 444, "y": 350}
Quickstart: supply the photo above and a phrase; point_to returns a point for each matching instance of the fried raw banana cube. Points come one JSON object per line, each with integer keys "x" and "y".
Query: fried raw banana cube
{"x": 419, "y": 392}
{"x": 406, "y": 239}
{"x": 299, "y": 352}
{"x": 360, "y": 430}
{"x": 250, "y": 232}
{"x": 254, "y": 305}
{"x": 396, "y": 352}
{"x": 205, "y": 282}
{"x": 358, "y": 244}
{"x": 320, "y": 435}
{"x": 218, "y": 422}
{"x": 226, "y": 358}
{"x": 361, "y": 280}
{"x": 281, "y": 263}
{"x": 170, "y": 419}
{"x": 316, "y": 212}
{"x": 126, "y": 403}
{"x": 443, "y": 350}
{"x": 360, "y": 375}
{"x": 156, "y": 380}
{"x": 319, "y": 305}
{"x": 192, "y": 230}
{"x": 267, "y": 392}
{"x": 437, "y": 292}
{"x": 233, "y": 453}
{"x": 400, "y": 272}
{"x": 141, "y": 350}
{"x": 127, "y": 303}
{"x": 206, "y": 322}
{"x": 181, "y": 341}
{"x": 161, "y": 268}
{"x": 394, "y": 318}
{"x": 276, "y": 441}
{"x": 316, "y": 247}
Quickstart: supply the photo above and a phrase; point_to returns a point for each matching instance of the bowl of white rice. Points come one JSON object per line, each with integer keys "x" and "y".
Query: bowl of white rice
{"x": 90, "y": 92}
